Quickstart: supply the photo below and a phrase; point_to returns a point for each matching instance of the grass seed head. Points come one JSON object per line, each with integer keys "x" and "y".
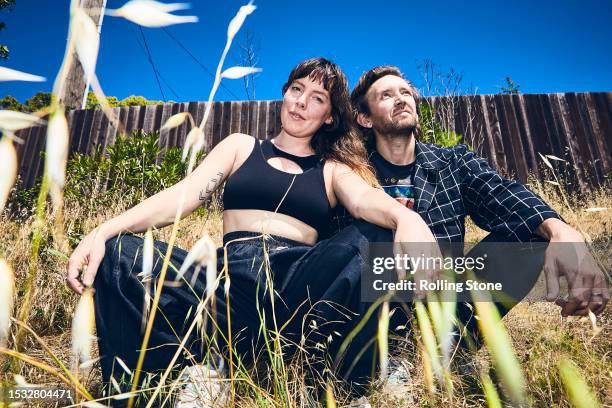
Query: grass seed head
{"x": 175, "y": 121}
{"x": 7, "y": 297}
{"x": 86, "y": 41}
{"x": 578, "y": 391}
{"x": 238, "y": 20}
{"x": 12, "y": 121}
{"x": 8, "y": 171}
{"x": 193, "y": 141}
{"x": 150, "y": 13}
{"x": 57, "y": 147}
{"x": 239, "y": 72}
{"x": 147, "y": 256}
{"x": 83, "y": 324}
{"x": 383, "y": 339}
{"x": 7, "y": 74}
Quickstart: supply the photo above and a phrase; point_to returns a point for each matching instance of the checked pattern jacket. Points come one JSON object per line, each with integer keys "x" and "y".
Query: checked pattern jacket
{"x": 452, "y": 183}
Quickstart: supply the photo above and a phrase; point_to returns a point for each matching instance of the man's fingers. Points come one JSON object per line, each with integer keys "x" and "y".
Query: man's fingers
{"x": 598, "y": 308}
{"x": 600, "y": 286}
{"x": 600, "y": 294}
{"x": 594, "y": 306}
{"x": 581, "y": 312}
{"x": 570, "y": 307}
{"x": 552, "y": 283}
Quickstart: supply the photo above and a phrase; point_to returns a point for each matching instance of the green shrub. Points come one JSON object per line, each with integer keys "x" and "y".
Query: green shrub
{"x": 433, "y": 132}
{"x": 132, "y": 169}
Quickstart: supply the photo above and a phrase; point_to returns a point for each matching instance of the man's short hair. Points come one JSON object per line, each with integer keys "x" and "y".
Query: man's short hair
{"x": 359, "y": 101}
{"x": 358, "y": 96}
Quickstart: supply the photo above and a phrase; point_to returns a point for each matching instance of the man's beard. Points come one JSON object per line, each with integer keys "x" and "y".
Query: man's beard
{"x": 394, "y": 129}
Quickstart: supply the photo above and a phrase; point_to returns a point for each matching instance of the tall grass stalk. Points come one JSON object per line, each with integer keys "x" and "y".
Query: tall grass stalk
{"x": 179, "y": 350}
{"x": 46, "y": 184}
{"x": 26, "y": 298}
{"x": 278, "y": 364}
{"x": 428, "y": 338}
{"x": 500, "y": 346}
{"x": 578, "y": 391}
{"x": 233, "y": 28}
{"x": 45, "y": 367}
{"x": 73, "y": 378}
{"x": 383, "y": 340}
{"x": 330, "y": 401}
{"x": 443, "y": 316}
{"x": 490, "y": 392}
{"x": 155, "y": 304}
{"x": 175, "y": 227}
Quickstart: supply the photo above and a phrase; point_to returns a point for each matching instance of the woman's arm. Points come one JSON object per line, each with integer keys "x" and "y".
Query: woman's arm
{"x": 366, "y": 202}
{"x": 412, "y": 235}
{"x": 158, "y": 210}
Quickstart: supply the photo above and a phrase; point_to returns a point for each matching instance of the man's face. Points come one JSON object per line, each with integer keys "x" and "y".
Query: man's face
{"x": 392, "y": 107}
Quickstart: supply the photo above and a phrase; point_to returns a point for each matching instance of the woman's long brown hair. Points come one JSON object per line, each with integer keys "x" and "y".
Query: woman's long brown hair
{"x": 340, "y": 141}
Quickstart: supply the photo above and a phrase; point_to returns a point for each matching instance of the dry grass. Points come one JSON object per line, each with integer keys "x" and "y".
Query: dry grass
{"x": 540, "y": 335}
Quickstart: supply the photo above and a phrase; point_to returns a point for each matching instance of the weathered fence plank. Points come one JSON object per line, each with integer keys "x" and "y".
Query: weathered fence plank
{"x": 509, "y": 131}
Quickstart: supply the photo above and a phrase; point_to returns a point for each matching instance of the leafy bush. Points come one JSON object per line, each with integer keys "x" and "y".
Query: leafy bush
{"x": 132, "y": 169}
{"x": 135, "y": 167}
{"x": 433, "y": 132}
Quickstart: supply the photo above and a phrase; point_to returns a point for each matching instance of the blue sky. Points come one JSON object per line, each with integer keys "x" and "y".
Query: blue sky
{"x": 545, "y": 46}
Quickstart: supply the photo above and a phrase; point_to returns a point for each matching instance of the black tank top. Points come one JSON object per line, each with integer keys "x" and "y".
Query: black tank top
{"x": 257, "y": 185}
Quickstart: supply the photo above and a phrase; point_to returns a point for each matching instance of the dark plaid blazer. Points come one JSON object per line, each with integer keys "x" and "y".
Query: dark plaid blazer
{"x": 452, "y": 183}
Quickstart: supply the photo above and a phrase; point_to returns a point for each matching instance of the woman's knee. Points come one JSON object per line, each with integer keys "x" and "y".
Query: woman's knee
{"x": 115, "y": 248}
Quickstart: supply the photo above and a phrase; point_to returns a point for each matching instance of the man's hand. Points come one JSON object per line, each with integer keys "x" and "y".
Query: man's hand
{"x": 414, "y": 238}
{"x": 568, "y": 255}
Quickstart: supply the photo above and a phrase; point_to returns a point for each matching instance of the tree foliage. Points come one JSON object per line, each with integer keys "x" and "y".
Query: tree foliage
{"x": 43, "y": 99}
{"x": 10, "y": 103}
{"x": 4, "y": 50}
{"x": 511, "y": 87}
{"x": 39, "y": 101}
{"x": 132, "y": 100}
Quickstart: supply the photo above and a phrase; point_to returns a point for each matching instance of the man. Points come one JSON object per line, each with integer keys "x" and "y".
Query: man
{"x": 444, "y": 185}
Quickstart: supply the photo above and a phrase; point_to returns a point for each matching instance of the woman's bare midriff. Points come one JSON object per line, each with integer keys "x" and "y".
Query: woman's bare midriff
{"x": 270, "y": 223}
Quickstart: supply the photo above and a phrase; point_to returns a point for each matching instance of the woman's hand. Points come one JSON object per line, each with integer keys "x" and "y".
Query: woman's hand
{"x": 413, "y": 239}
{"x": 89, "y": 253}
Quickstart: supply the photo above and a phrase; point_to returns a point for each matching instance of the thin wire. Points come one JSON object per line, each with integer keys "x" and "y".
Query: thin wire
{"x": 158, "y": 73}
{"x": 209, "y": 72}
{"x": 152, "y": 63}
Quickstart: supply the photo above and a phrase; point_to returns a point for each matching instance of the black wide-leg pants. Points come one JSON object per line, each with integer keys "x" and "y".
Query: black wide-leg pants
{"x": 312, "y": 292}
{"x": 319, "y": 283}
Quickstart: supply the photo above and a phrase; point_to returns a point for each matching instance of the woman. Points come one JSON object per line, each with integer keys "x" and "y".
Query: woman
{"x": 285, "y": 189}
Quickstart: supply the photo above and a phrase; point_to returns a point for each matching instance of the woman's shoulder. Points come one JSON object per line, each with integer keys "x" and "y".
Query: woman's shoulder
{"x": 336, "y": 166}
{"x": 241, "y": 144}
{"x": 239, "y": 137}
{"x": 237, "y": 142}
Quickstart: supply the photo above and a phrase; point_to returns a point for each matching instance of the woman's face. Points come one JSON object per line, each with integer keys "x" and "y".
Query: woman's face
{"x": 306, "y": 107}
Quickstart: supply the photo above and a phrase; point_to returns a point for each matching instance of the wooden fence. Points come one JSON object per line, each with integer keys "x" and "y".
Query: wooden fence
{"x": 509, "y": 130}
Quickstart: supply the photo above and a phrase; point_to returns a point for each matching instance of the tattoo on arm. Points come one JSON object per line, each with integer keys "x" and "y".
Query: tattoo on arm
{"x": 211, "y": 186}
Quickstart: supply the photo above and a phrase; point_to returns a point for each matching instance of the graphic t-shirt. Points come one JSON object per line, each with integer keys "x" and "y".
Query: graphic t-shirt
{"x": 397, "y": 181}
